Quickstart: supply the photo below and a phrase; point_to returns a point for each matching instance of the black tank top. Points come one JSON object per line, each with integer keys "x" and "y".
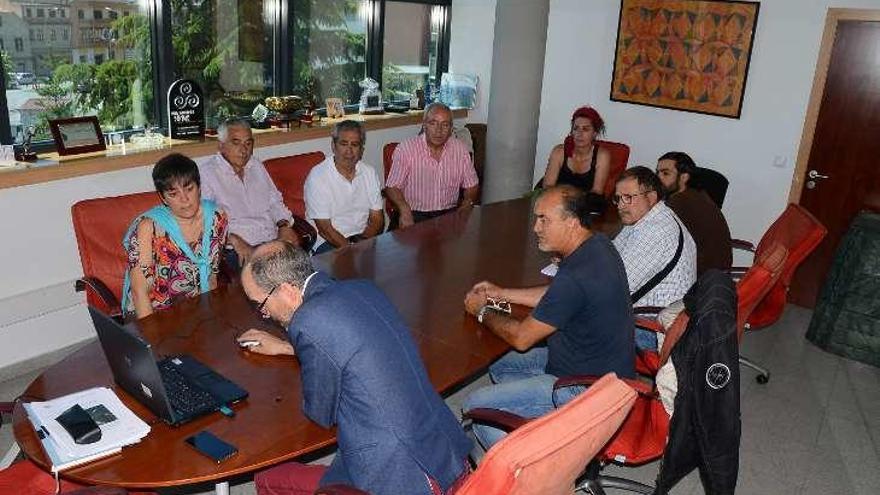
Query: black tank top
{"x": 581, "y": 181}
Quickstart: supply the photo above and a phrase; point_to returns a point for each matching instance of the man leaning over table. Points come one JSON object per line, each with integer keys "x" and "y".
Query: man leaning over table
{"x": 429, "y": 171}
{"x": 343, "y": 194}
{"x": 360, "y": 371}
{"x": 241, "y": 187}
{"x": 584, "y": 314}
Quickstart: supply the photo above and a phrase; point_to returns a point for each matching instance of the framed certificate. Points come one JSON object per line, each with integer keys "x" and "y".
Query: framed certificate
{"x": 77, "y": 135}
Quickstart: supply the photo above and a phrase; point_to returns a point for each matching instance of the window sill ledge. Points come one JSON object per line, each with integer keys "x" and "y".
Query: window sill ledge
{"x": 110, "y": 160}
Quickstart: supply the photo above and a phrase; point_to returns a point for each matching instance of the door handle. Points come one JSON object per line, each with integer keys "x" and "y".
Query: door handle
{"x": 816, "y": 175}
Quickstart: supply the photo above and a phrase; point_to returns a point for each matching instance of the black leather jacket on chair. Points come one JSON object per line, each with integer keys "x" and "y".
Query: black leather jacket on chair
{"x": 704, "y": 432}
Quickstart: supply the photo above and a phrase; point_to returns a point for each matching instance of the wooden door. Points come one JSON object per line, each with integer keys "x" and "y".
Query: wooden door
{"x": 845, "y": 147}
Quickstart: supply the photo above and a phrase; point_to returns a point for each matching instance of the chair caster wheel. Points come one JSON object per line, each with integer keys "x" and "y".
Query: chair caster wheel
{"x": 762, "y": 379}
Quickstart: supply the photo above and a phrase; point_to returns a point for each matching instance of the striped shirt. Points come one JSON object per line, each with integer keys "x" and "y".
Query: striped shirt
{"x": 428, "y": 184}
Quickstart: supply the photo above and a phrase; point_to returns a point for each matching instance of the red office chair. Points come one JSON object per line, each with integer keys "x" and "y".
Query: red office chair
{"x": 289, "y": 174}
{"x": 643, "y": 436}
{"x": 800, "y": 233}
{"x": 390, "y": 210}
{"x": 544, "y": 456}
{"x": 99, "y": 225}
{"x": 619, "y": 159}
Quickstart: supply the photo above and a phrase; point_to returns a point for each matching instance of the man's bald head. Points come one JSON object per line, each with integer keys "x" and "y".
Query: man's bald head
{"x": 278, "y": 262}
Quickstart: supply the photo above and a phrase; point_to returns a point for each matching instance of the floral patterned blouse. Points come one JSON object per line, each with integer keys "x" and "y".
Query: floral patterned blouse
{"x": 173, "y": 275}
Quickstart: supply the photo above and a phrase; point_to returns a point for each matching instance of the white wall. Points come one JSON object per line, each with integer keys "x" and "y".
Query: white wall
{"x": 472, "y": 31}
{"x": 39, "y": 260}
{"x": 757, "y": 153}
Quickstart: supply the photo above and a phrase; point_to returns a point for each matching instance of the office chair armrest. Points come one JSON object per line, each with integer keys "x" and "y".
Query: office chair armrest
{"x": 639, "y": 386}
{"x": 98, "y": 490}
{"x": 647, "y": 310}
{"x": 493, "y": 417}
{"x": 742, "y": 244}
{"x": 307, "y": 234}
{"x": 339, "y": 489}
{"x": 103, "y": 293}
{"x": 650, "y": 325}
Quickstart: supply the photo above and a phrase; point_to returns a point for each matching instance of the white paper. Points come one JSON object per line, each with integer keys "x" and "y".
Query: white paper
{"x": 7, "y": 155}
{"x": 126, "y": 429}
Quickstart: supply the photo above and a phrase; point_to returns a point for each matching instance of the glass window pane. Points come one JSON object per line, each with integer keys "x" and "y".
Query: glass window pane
{"x": 56, "y": 75}
{"x": 226, "y": 47}
{"x": 329, "y": 49}
{"x": 410, "y": 48}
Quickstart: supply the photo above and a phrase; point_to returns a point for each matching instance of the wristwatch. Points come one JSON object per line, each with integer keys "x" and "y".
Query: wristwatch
{"x": 482, "y": 313}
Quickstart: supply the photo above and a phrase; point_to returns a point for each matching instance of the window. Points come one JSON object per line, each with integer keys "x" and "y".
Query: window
{"x": 239, "y": 51}
{"x": 410, "y": 48}
{"x": 329, "y": 49}
{"x": 229, "y": 55}
{"x": 86, "y": 80}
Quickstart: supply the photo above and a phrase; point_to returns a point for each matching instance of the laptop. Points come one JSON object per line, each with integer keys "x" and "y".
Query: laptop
{"x": 177, "y": 388}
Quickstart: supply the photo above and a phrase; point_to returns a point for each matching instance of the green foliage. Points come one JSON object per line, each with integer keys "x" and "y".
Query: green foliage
{"x": 6, "y": 66}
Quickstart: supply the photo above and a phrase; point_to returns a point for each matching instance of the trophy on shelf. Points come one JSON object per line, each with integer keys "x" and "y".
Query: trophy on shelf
{"x": 23, "y": 152}
{"x": 285, "y": 110}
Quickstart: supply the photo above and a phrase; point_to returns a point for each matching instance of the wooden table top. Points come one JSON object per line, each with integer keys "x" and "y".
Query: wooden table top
{"x": 425, "y": 270}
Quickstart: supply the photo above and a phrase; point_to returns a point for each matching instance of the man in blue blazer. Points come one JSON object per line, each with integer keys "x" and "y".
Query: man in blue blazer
{"x": 360, "y": 371}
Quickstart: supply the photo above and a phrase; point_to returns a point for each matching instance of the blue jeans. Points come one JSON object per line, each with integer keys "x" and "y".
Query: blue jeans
{"x": 521, "y": 387}
{"x": 646, "y": 340}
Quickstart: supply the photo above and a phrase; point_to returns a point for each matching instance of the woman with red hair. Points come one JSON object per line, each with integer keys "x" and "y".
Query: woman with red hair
{"x": 579, "y": 161}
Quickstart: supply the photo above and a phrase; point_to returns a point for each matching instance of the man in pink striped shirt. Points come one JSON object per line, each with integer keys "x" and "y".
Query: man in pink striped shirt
{"x": 429, "y": 170}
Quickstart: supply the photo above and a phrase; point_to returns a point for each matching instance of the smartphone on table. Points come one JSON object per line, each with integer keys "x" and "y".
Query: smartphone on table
{"x": 208, "y": 444}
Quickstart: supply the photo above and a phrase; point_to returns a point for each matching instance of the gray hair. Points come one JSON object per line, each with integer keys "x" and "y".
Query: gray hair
{"x": 223, "y": 128}
{"x": 281, "y": 263}
{"x": 433, "y": 107}
{"x": 348, "y": 125}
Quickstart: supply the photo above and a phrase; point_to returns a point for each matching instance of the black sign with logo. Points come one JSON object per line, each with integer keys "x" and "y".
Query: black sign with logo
{"x": 186, "y": 110}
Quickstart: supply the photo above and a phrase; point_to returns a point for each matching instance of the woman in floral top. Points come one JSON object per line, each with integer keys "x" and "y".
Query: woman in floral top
{"x": 173, "y": 249}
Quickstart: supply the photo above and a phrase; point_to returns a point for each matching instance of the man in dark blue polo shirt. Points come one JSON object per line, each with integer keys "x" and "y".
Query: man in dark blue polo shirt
{"x": 585, "y": 315}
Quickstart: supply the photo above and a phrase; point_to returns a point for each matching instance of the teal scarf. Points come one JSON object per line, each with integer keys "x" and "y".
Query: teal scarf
{"x": 162, "y": 217}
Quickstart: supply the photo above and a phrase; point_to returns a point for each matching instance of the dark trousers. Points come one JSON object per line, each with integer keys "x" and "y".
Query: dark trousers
{"x": 421, "y": 216}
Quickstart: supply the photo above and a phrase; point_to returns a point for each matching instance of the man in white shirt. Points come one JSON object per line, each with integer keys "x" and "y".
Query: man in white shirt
{"x": 343, "y": 194}
{"x": 657, "y": 250}
{"x": 241, "y": 187}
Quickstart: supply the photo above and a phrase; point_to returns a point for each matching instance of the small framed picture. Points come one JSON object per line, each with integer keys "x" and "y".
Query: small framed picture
{"x": 77, "y": 135}
{"x": 335, "y": 108}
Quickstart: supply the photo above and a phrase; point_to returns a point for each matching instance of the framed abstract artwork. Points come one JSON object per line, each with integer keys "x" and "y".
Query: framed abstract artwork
{"x": 690, "y": 55}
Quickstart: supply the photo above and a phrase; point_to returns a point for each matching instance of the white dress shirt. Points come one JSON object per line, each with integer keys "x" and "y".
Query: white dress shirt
{"x": 330, "y": 196}
{"x": 253, "y": 203}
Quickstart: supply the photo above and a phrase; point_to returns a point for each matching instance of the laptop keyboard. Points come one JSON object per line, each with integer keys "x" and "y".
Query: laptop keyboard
{"x": 185, "y": 398}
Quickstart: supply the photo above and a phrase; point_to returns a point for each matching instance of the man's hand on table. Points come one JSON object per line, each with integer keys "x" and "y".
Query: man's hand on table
{"x": 268, "y": 344}
{"x": 474, "y": 301}
{"x": 489, "y": 289}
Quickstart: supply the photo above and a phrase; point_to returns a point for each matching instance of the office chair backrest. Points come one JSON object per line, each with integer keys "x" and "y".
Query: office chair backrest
{"x": 712, "y": 182}
{"x": 799, "y": 232}
{"x": 289, "y": 175}
{"x": 546, "y": 455}
{"x": 619, "y": 159}
{"x": 754, "y": 285}
{"x": 99, "y": 225}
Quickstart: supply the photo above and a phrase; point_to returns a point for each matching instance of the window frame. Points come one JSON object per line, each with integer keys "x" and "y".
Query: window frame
{"x": 279, "y": 24}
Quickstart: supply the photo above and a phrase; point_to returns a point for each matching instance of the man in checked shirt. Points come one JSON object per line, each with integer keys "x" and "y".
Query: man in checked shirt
{"x": 651, "y": 237}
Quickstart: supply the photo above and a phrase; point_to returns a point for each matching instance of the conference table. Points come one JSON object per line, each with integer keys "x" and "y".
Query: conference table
{"x": 425, "y": 270}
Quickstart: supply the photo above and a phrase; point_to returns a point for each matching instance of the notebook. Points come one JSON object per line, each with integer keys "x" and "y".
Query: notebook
{"x": 177, "y": 388}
